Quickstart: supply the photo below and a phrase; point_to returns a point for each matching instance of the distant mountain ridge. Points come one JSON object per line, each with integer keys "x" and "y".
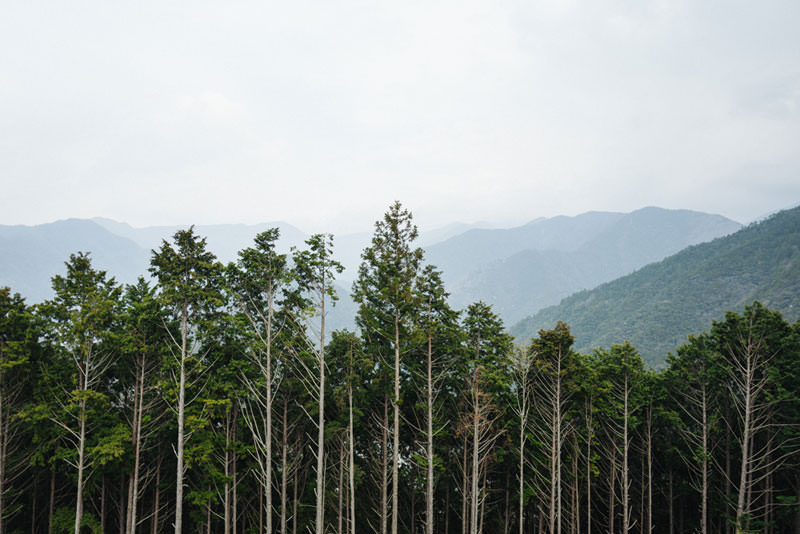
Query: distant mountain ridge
{"x": 518, "y": 270}
{"x": 548, "y": 259}
{"x": 656, "y": 307}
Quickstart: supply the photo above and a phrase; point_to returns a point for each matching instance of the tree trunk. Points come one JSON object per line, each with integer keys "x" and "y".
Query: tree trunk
{"x": 612, "y": 488}
{"x": 138, "y": 409}
{"x": 626, "y": 510}
{"x": 340, "y": 491}
{"x": 284, "y": 463}
{"x": 320, "y": 505}
{"x": 385, "y": 466}
{"x": 81, "y": 449}
{"x": 429, "y": 479}
{"x": 234, "y": 482}
{"x": 351, "y": 473}
{"x": 396, "y": 427}
{"x": 589, "y": 431}
{"x": 179, "y": 471}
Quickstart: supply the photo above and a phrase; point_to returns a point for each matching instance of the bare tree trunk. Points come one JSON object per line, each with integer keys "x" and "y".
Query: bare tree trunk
{"x": 133, "y": 488}
{"x": 284, "y": 463}
{"x": 351, "y": 472}
{"x": 465, "y": 528}
{"x": 181, "y": 414}
{"x": 625, "y": 475}
{"x": 81, "y": 448}
{"x": 396, "y": 427}
{"x": 294, "y": 501}
{"x": 385, "y": 466}
{"x": 589, "y": 431}
{"x": 429, "y": 479}
{"x": 320, "y": 489}
{"x": 340, "y": 490}
{"x": 226, "y": 488}
{"x": 612, "y": 488}
{"x": 474, "y": 496}
{"x": 234, "y": 482}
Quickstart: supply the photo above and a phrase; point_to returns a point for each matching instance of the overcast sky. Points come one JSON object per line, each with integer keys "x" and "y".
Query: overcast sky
{"x": 322, "y": 113}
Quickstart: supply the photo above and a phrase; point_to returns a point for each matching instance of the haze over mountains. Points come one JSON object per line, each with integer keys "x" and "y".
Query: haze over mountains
{"x": 658, "y": 306}
{"x": 517, "y": 270}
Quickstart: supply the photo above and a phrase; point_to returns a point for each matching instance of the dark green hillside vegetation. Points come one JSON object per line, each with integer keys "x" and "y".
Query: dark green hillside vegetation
{"x": 659, "y": 305}
{"x": 216, "y": 398}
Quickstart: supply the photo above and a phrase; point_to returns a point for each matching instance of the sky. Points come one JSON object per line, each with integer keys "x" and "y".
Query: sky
{"x": 321, "y": 114}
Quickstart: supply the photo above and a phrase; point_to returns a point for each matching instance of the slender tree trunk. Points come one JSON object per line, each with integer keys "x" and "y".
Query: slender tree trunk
{"x": 268, "y": 409}
{"x": 179, "y": 471}
{"x": 626, "y": 509}
{"x": 429, "y": 479}
{"x": 589, "y": 431}
{"x": 465, "y": 491}
{"x": 320, "y": 506}
{"x": 612, "y": 496}
{"x": 284, "y": 463}
{"x": 340, "y": 491}
{"x": 235, "y": 482}
{"x": 226, "y": 487}
{"x": 81, "y": 450}
{"x": 3, "y": 448}
{"x": 351, "y": 472}
{"x": 743, "y": 504}
{"x": 474, "y": 496}
{"x": 650, "y": 470}
{"x": 385, "y": 466}
{"x": 704, "y": 488}
{"x": 294, "y": 498}
{"x": 396, "y": 427}
{"x": 133, "y": 489}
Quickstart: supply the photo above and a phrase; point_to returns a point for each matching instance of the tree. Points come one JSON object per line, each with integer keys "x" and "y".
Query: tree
{"x": 19, "y": 333}
{"x": 622, "y": 373}
{"x": 189, "y": 282}
{"x": 257, "y": 281}
{"x": 439, "y": 325}
{"x": 521, "y": 363}
{"x": 143, "y": 340}
{"x": 384, "y": 291}
{"x": 81, "y": 316}
{"x": 554, "y": 359}
{"x": 315, "y": 270}
{"x": 489, "y": 346}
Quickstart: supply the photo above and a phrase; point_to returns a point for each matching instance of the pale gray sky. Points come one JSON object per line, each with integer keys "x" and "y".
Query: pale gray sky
{"x": 322, "y": 113}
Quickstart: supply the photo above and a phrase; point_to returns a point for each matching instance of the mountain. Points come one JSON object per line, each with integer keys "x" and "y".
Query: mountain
{"x": 31, "y": 255}
{"x": 658, "y": 306}
{"x": 524, "y": 269}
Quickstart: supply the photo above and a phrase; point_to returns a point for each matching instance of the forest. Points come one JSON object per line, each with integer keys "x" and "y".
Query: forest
{"x": 212, "y": 398}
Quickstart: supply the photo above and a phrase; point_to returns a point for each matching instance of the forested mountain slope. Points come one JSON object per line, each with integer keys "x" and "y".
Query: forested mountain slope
{"x": 656, "y": 307}
{"x": 552, "y": 258}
